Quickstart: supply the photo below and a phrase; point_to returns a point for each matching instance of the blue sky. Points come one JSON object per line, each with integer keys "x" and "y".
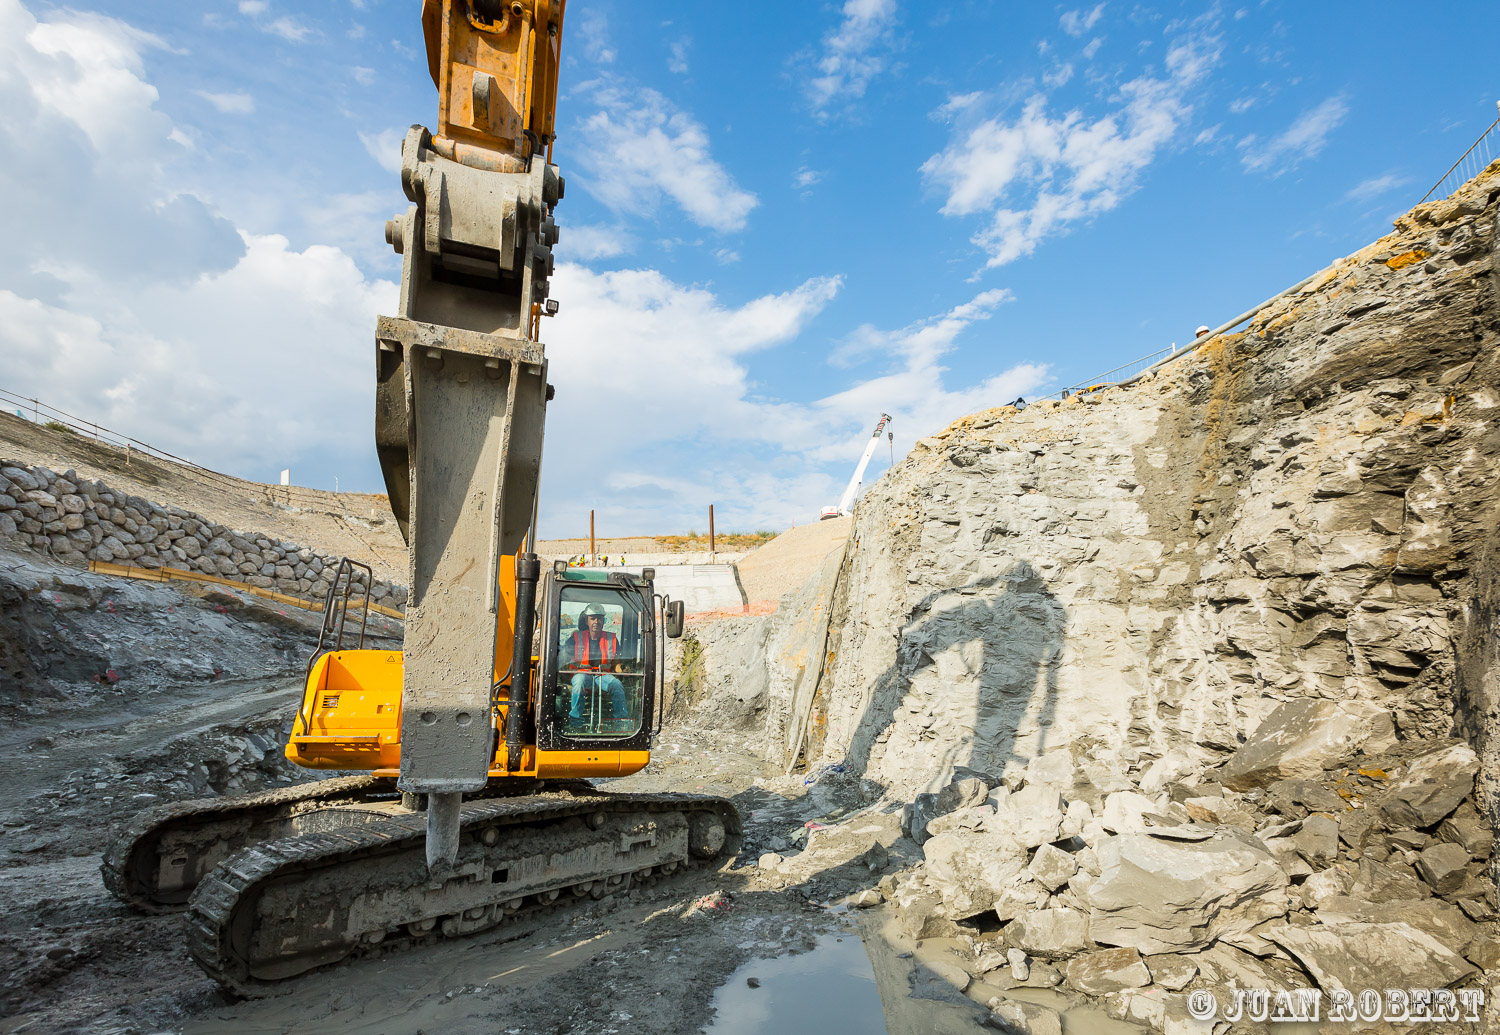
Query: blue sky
{"x": 781, "y": 219}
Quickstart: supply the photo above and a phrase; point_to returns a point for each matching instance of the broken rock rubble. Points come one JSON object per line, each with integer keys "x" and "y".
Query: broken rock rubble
{"x": 1385, "y": 886}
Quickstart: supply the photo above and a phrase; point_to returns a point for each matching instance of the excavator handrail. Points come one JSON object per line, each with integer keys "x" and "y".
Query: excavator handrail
{"x": 343, "y": 576}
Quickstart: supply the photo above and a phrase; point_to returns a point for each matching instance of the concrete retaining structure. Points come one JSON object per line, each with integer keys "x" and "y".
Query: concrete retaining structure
{"x": 700, "y": 587}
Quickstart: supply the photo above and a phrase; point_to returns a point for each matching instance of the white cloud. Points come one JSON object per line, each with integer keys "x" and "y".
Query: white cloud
{"x": 194, "y": 367}
{"x": 385, "y": 147}
{"x": 1037, "y": 174}
{"x": 920, "y": 343}
{"x": 1303, "y": 139}
{"x": 363, "y": 76}
{"x": 1242, "y": 105}
{"x": 253, "y": 7}
{"x": 852, "y": 55}
{"x": 638, "y": 147}
{"x": 288, "y": 29}
{"x": 678, "y": 62}
{"x": 593, "y": 242}
{"x": 805, "y": 178}
{"x": 1058, "y": 76}
{"x": 955, "y": 105}
{"x": 593, "y": 37}
{"x": 238, "y": 103}
{"x": 136, "y": 304}
{"x": 1375, "y": 186}
{"x": 1076, "y": 23}
{"x": 637, "y": 334}
{"x": 912, "y": 388}
{"x": 1092, "y": 48}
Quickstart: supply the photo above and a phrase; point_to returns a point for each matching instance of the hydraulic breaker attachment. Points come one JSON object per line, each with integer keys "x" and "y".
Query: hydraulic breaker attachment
{"x": 462, "y": 380}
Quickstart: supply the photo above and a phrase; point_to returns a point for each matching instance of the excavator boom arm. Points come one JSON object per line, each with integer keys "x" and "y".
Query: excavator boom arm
{"x": 461, "y": 378}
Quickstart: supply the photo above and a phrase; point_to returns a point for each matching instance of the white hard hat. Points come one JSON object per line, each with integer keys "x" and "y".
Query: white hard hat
{"x": 1202, "y": 330}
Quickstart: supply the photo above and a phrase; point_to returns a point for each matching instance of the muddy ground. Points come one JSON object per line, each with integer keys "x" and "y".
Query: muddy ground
{"x": 119, "y": 695}
{"x": 648, "y": 961}
{"x": 189, "y": 694}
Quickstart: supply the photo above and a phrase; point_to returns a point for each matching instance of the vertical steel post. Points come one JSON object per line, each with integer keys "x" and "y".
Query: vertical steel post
{"x": 710, "y": 528}
{"x": 591, "y": 537}
{"x": 528, "y": 570}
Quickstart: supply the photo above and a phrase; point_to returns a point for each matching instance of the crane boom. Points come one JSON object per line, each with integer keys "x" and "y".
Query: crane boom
{"x": 846, "y": 502}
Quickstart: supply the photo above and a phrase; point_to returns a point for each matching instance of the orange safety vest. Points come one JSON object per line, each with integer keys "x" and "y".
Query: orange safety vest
{"x": 609, "y": 648}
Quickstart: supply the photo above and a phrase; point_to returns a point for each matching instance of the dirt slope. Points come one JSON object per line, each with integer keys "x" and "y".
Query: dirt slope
{"x": 770, "y": 572}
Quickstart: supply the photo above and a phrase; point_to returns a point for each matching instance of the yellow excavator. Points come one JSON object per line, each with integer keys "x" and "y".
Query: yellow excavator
{"x": 474, "y": 742}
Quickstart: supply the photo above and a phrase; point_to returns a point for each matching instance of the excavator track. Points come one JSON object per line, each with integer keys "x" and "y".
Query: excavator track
{"x": 281, "y": 908}
{"x": 156, "y": 858}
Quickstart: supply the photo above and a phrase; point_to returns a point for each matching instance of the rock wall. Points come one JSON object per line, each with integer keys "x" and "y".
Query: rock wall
{"x": 1191, "y": 686}
{"x": 1293, "y": 512}
{"x": 76, "y": 520}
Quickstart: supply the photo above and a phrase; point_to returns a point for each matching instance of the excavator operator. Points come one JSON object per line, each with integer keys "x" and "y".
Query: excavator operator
{"x": 593, "y": 653}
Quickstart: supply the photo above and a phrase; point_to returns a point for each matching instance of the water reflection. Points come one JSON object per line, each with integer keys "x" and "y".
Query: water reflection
{"x": 830, "y": 988}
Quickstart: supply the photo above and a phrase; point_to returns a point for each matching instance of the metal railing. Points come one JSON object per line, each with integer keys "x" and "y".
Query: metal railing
{"x": 43, "y": 414}
{"x": 1470, "y": 163}
{"x": 1117, "y": 375}
{"x": 284, "y": 495}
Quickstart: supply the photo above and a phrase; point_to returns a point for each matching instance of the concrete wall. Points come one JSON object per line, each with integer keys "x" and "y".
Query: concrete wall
{"x": 701, "y": 587}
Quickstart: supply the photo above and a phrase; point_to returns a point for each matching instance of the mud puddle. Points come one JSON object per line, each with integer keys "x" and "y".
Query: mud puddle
{"x": 829, "y": 988}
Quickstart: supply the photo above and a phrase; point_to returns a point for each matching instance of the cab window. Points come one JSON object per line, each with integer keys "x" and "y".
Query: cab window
{"x": 601, "y": 671}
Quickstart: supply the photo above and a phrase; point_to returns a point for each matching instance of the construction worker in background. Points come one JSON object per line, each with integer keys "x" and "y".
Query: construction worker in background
{"x": 593, "y": 652}
{"x": 1203, "y": 329}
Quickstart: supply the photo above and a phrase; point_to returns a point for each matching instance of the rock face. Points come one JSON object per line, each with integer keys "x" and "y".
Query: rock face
{"x": 1224, "y": 645}
{"x": 1291, "y": 514}
{"x": 76, "y": 520}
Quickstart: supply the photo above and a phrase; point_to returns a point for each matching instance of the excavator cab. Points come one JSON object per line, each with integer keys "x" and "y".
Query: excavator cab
{"x": 599, "y": 662}
{"x": 592, "y": 690}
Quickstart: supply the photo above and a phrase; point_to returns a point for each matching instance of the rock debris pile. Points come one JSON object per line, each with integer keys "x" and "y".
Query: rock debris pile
{"x": 77, "y": 519}
{"x": 1321, "y": 854}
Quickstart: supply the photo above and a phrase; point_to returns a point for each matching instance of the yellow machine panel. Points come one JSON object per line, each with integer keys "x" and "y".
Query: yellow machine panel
{"x": 351, "y": 712}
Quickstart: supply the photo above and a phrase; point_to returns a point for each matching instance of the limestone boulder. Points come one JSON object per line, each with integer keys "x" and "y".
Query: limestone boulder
{"x": 1052, "y": 867}
{"x": 1171, "y": 971}
{"x": 1375, "y": 955}
{"x": 1019, "y": 1017}
{"x": 1106, "y": 971}
{"x": 1465, "y": 828}
{"x": 968, "y": 869}
{"x": 1317, "y": 840}
{"x": 1031, "y": 816}
{"x": 1444, "y": 922}
{"x": 1123, "y": 812}
{"x": 961, "y": 793}
{"x": 1050, "y": 934}
{"x": 1302, "y": 738}
{"x": 1159, "y": 896}
{"x": 1432, "y": 787}
{"x": 1444, "y": 866}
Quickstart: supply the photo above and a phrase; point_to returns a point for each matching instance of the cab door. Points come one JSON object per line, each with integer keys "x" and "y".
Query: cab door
{"x": 597, "y": 686}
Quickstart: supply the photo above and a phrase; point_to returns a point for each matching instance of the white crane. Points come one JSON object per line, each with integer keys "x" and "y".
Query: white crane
{"x": 846, "y": 502}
